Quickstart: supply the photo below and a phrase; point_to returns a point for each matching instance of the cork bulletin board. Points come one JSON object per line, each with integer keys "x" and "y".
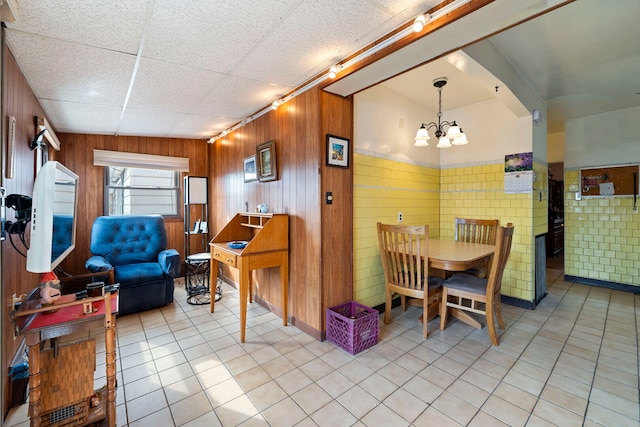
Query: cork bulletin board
{"x": 609, "y": 181}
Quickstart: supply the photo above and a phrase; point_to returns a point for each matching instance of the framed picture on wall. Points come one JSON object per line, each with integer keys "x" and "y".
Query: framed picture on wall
{"x": 249, "y": 167}
{"x": 266, "y": 159}
{"x": 337, "y": 151}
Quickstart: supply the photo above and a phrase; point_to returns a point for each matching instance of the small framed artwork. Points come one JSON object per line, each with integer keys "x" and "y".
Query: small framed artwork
{"x": 337, "y": 151}
{"x": 266, "y": 158}
{"x": 249, "y": 167}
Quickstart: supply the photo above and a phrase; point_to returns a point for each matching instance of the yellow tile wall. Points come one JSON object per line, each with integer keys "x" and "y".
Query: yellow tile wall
{"x": 431, "y": 196}
{"x": 478, "y": 192}
{"x": 602, "y": 236}
{"x": 382, "y": 188}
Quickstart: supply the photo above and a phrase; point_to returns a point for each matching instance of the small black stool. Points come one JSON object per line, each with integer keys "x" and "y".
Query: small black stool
{"x": 197, "y": 279}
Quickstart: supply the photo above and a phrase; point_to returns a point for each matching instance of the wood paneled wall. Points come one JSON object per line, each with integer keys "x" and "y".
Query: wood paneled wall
{"x": 320, "y": 237}
{"x": 77, "y": 154}
{"x": 20, "y": 102}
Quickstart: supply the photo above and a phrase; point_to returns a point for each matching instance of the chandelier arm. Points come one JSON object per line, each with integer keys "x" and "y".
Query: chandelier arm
{"x": 428, "y": 126}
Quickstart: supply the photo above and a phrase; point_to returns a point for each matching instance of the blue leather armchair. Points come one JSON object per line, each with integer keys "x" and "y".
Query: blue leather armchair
{"x": 135, "y": 247}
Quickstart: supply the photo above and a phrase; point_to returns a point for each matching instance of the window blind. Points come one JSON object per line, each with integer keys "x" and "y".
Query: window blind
{"x": 137, "y": 160}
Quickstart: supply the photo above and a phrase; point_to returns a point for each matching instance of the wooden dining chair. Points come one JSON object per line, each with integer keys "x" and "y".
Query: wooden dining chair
{"x": 463, "y": 292}
{"x": 404, "y": 251}
{"x": 477, "y": 231}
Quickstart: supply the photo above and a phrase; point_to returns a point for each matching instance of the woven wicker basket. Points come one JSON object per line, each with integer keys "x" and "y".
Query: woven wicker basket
{"x": 67, "y": 384}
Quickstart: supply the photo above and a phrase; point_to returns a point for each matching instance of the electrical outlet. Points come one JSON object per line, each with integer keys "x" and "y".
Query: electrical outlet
{"x": 399, "y": 217}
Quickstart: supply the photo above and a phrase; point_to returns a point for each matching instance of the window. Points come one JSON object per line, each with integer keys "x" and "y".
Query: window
{"x": 140, "y": 184}
{"x": 141, "y": 191}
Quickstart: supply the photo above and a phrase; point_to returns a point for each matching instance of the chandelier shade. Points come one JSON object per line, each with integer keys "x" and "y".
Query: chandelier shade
{"x": 448, "y": 133}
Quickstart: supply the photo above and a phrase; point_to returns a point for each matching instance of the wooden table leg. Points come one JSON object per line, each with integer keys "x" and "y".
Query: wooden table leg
{"x": 35, "y": 379}
{"x": 110, "y": 350}
{"x": 213, "y": 282}
{"x": 284, "y": 286}
{"x": 244, "y": 284}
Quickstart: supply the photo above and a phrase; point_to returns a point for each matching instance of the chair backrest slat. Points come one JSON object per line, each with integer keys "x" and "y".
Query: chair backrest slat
{"x": 504, "y": 238}
{"x": 476, "y": 230}
{"x": 404, "y": 250}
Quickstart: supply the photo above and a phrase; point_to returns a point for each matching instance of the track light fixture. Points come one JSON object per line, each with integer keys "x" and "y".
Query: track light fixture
{"x": 420, "y": 22}
{"x": 454, "y": 134}
{"x": 333, "y": 71}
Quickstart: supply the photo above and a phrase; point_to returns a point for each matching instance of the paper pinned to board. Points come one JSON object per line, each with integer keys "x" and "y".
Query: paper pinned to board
{"x": 606, "y": 189}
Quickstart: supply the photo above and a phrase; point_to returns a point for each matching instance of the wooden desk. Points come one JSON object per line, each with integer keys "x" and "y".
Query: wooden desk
{"x": 40, "y": 324}
{"x": 268, "y": 246}
{"x": 450, "y": 255}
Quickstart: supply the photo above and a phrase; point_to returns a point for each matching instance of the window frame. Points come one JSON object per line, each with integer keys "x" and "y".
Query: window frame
{"x": 176, "y": 187}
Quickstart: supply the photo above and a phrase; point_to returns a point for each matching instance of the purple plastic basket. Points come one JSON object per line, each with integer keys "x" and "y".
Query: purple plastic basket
{"x": 352, "y": 326}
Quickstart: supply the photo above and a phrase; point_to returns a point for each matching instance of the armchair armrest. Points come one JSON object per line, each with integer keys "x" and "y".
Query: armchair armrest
{"x": 169, "y": 260}
{"x": 97, "y": 263}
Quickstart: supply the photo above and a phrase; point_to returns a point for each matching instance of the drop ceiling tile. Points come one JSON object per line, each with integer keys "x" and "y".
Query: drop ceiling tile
{"x": 211, "y": 35}
{"x": 316, "y": 35}
{"x": 196, "y": 126}
{"x": 74, "y": 117}
{"x": 407, "y": 7}
{"x": 148, "y": 122}
{"x": 164, "y": 86}
{"x": 114, "y": 25}
{"x": 64, "y": 71}
{"x": 237, "y": 97}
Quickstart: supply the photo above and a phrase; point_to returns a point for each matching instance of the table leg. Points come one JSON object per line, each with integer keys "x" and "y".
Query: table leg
{"x": 244, "y": 284}
{"x": 110, "y": 350}
{"x": 284, "y": 286}
{"x": 35, "y": 379}
{"x": 213, "y": 282}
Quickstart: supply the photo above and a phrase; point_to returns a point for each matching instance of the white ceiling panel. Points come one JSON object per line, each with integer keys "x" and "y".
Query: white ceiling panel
{"x": 63, "y": 71}
{"x": 149, "y": 123}
{"x": 211, "y": 35}
{"x": 75, "y": 117}
{"x": 113, "y": 25}
{"x": 164, "y": 86}
{"x": 222, "y": 100}
{"x": 195, "y": 126}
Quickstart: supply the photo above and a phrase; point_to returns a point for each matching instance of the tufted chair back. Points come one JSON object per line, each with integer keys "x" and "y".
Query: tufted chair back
{"x": 128, "y": 239}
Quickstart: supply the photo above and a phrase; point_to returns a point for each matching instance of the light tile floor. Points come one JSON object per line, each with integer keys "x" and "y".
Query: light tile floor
{"x": 571, "y": 362}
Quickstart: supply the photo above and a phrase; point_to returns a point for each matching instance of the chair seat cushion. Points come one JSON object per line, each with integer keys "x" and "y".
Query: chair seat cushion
{"x": 435, "y": 282}
{"x": 480, "y": 272}
{"x": 141, "y": 272}
{"x": 466, "y": 282}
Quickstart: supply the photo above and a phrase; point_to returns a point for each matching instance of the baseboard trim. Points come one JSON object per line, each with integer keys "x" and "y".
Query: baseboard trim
{"x": 517, "y": 302}
{"x": 603, "y": 284}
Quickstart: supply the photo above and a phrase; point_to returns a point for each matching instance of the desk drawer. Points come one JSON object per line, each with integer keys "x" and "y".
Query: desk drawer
{"x": 224, "y": 257}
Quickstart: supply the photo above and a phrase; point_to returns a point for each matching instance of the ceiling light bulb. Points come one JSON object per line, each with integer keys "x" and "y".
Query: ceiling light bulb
{"x": 332, "y": 72}
{"x": 211, "y": 140}
{"x": 420, "y": 22}
{"x": 275, "y": 105}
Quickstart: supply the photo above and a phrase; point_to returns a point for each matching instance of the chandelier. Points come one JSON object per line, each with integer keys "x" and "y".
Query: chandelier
{"x": 453, "y": 134}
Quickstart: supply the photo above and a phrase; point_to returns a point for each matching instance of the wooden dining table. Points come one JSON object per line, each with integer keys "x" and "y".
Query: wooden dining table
{"x": 450, "y": 255}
